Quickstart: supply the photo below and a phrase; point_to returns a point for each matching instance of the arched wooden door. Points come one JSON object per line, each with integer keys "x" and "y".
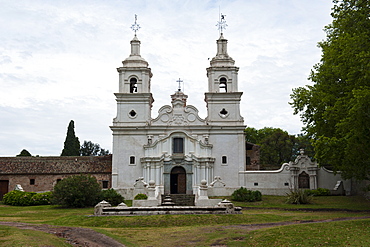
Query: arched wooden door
{"x": 303, "y": 181}
{"x": 178, "y": 180}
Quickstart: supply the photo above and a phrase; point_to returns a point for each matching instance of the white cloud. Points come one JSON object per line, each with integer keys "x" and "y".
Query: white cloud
{"x": 58, "y": 61}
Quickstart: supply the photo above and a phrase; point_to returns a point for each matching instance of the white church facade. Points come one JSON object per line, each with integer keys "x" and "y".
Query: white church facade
{"x": 177, "y": 152}
{"x": 177, "y": 149}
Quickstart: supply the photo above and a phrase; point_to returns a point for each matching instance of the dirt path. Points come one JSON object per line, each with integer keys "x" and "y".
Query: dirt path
{"x": 74, "y": 235}
{"x": 89, "y": 238}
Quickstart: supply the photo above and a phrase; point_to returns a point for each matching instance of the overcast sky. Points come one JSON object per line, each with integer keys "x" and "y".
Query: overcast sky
{"x": 58, "y": 61}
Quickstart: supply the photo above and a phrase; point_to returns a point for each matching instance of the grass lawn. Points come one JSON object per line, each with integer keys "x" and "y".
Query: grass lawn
{"x": 12, "y": 236}
{"x": 345, "y": 233}
{"x": 318, "y": 202}
{"x": 206, "y": 230}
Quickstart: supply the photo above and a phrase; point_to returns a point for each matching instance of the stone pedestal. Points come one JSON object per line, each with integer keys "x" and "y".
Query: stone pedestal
{"x": 202, "y": 199}
{"x": 203, "y": 191}
{"x": 151, "y": 190}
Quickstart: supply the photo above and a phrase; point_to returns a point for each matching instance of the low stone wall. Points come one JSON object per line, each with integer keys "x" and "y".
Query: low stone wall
{"x": 168, "y": 210}
{"x": 225, "y": 207}
{"x": 274, "y": 182}
{"x": 285, "y": 179}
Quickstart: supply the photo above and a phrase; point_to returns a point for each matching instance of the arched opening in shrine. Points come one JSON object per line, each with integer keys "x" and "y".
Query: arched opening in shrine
{"x": 303, "y": 181}
{"x": 178, "y": 180}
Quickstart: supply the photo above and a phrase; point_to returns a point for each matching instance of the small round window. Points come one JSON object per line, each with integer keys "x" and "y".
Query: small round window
{"x": 132, "y": 114}
{"x": 224, "y": 113}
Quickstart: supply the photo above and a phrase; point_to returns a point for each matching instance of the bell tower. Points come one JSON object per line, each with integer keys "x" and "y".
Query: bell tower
{"x": 134, "y": 104}
{"x": 223, "y": 98}
{"x": 134, "y": 99}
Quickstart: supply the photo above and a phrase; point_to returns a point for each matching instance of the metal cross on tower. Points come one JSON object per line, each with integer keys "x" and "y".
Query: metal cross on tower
{"x": 135, "y": 27}
{"x": 179, "y": 81}
{"x": 221, "y": 24}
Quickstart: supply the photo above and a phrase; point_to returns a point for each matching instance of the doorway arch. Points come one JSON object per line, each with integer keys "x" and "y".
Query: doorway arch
{"x": 304, "y": 181}
{"x": 178, "y": 180}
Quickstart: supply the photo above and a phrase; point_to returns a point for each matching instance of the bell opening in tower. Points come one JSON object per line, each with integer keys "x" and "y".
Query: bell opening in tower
{"x": 133, "y": 85}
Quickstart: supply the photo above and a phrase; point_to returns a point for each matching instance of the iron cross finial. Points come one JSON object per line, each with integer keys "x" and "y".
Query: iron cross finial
{"x": 179, "y": 81}
{"x": 135, "y": 27}
{"x": 221, "y": 24}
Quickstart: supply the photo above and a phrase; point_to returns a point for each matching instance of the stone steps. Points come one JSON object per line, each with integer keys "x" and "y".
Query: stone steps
{"x": 182, "y": 199}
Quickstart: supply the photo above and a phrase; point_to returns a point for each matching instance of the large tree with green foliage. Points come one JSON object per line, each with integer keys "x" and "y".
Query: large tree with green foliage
{"x": 89, "y": 148}
{"x": 71, "y": 144}
{"x": 303, "y": 141}
{"x": 277, "y": 146}
{"x": 336, "y": 108}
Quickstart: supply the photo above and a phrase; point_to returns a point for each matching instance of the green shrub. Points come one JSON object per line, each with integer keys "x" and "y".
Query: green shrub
{"x": 22, "y": 198}
{"x": 13, "y": 197}
{"x": 319, "y": 192}
{"x": 298, "y": 197}
{"x": 140, "y": 196}
{"x": 26, "y": 199}
{"x": 18, "y": 198}
{"x": 112, "y": 196}
{"x": 41, "y": 198}
{"x": 77, "y": 191}
{"x": 245, "y": 195}
{"x": 257, "y": 195}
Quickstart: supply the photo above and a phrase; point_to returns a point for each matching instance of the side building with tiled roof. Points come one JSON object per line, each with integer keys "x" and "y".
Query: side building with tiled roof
{"x": 38, "y": 174}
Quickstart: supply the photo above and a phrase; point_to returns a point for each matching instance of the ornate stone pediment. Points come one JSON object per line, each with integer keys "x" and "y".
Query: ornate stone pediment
{"x": 303, "y": 161}
{"x": 179, "y": 114}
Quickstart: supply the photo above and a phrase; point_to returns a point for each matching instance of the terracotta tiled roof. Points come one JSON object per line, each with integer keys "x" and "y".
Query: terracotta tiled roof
{"x": 56, "y": 165}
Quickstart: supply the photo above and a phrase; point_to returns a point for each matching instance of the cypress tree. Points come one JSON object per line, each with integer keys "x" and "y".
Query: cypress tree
{"x": 71, "y": 144}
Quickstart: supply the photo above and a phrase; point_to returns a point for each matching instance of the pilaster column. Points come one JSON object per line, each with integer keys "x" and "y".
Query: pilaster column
{"x": 294, "y": 177}
{"x": 313, "y": 177}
